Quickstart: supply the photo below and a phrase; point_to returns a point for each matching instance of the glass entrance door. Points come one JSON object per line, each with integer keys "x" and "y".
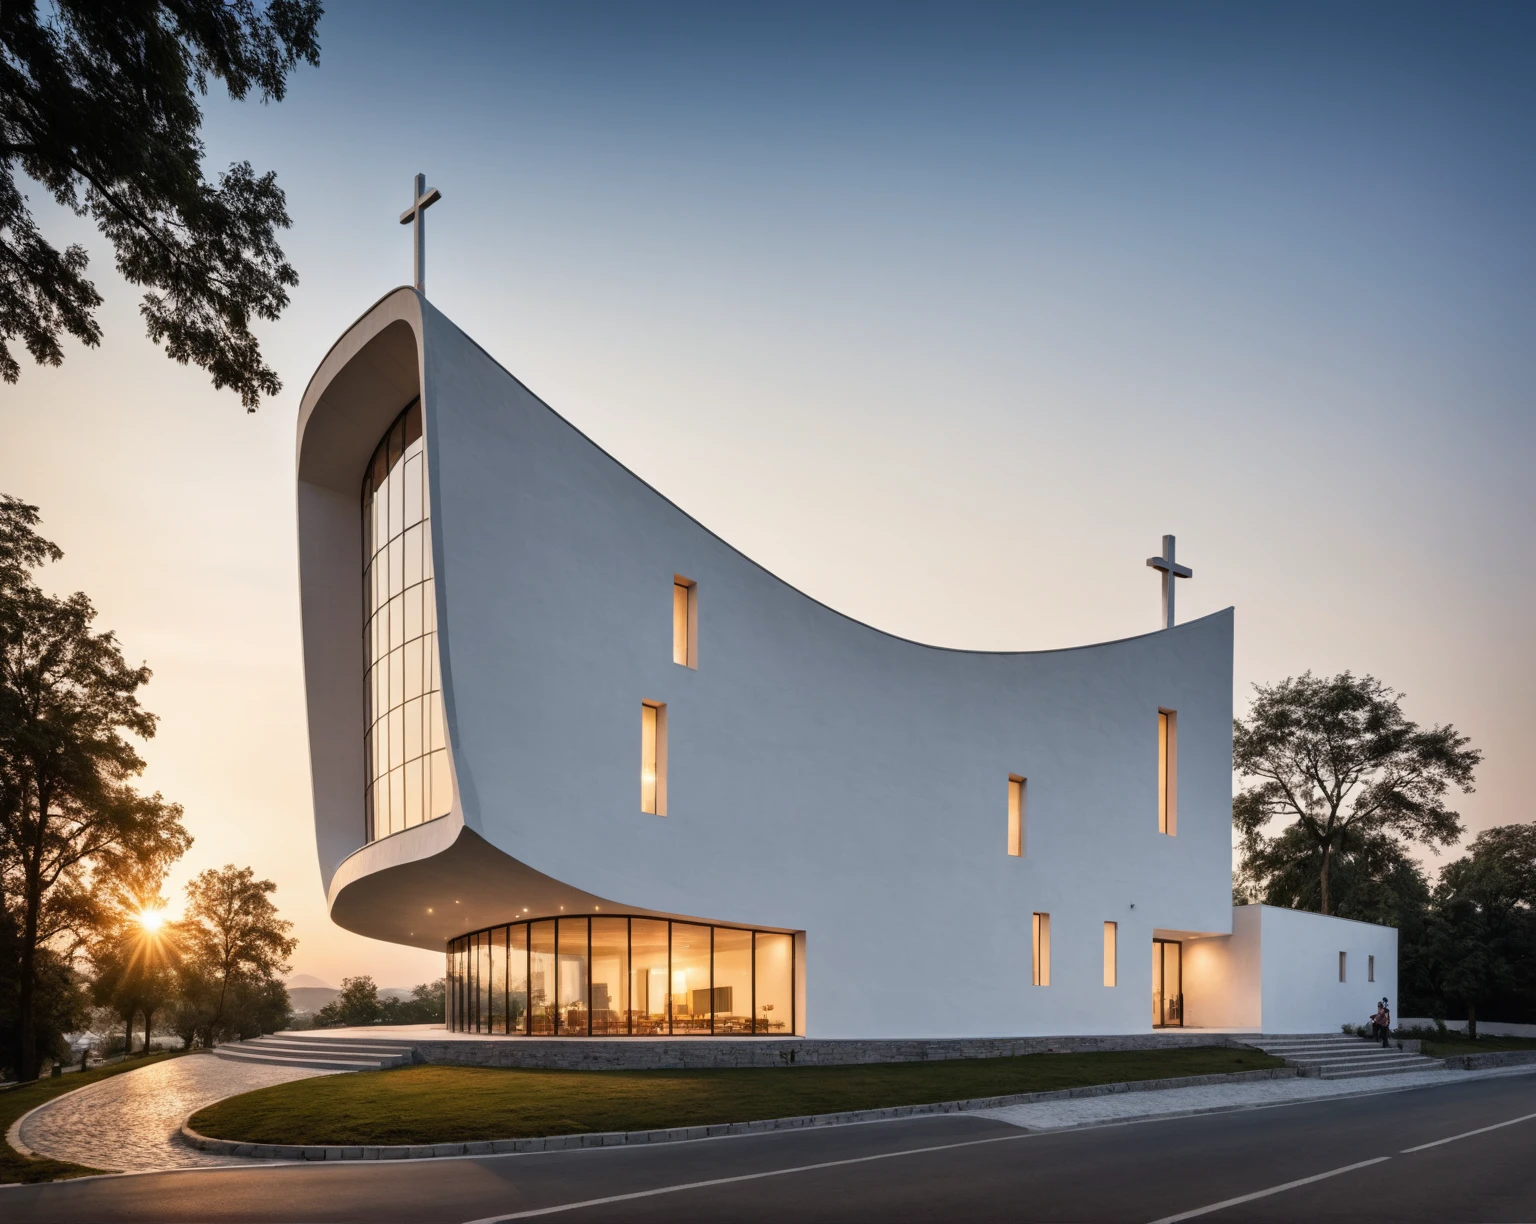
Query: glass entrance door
{"x": 1167, "y": 983}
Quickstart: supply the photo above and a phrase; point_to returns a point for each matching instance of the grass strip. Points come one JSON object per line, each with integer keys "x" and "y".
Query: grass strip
{"x": 14, "y": 1167}
{"x": 433, "y": 1104}
{"x": 1453, "y": 1043}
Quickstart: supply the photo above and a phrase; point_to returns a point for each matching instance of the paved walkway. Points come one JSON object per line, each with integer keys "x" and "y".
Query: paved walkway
{"x": 129, "y": 1122}
{"x": 1128, "y": 1106}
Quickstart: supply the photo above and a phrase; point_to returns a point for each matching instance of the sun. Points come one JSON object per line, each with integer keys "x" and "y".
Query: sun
{"x": 151, "y": 919}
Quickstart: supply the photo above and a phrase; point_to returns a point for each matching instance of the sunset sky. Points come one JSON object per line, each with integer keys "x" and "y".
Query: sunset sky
{"x": 944, "y": 315}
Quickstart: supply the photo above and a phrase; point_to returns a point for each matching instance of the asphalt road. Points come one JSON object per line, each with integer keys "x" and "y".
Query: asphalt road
{"x": 937, "y": 1168}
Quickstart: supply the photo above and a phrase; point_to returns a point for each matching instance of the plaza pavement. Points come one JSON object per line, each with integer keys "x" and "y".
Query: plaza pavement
{"x": 129, "y": 1122}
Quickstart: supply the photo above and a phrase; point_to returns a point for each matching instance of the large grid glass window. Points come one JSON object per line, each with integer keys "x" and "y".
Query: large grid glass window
{"x": 404, "y": 744}
{"x": 612, "y": 975}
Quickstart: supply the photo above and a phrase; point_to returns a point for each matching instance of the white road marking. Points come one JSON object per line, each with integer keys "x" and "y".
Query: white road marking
{"x": 1468, "y": 1134}
{"x": 743, "y": 1177}
{"x": 1258, "y": 1194}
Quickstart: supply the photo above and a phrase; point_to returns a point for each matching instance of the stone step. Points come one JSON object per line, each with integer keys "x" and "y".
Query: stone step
{"x": 380, "y": 1050}
{"x": 1325, "y": 1055}
{"x": 1429, "y": 1064}
{"x": 236, "y": 1054}
{"x": 1334, "y": 1064}
{"x": 342, "y": 1043}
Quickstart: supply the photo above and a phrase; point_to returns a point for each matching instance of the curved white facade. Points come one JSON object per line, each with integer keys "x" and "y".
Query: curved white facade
{"x": 822, "y": 778}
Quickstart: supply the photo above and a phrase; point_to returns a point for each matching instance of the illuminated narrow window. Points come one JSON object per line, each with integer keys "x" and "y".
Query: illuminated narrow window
{"x": 1167, "y": 772}
{"x": 1042, "y": 950}
{"x": 1370, "y": 968}
{"x": 653, "y": 758}
{"x": 685, "y": 621}
{"x": 1341, "y": 966}
{"x": 1015, "y": 815}
{"x": 1111, "y": 937}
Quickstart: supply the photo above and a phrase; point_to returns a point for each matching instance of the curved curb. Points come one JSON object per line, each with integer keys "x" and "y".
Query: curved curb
{"x": 13, "y": 1132}
{"x": 560, "y": 1143}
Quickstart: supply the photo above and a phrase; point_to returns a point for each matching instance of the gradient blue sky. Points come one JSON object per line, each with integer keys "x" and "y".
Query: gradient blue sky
{"x": 945, "y": 315}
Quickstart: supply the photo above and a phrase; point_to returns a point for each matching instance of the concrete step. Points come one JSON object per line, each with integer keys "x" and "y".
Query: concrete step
{"x": 235, "y": 1053}
{"x": 329, "y": 1047}
{"x": 1428, "y": 1064}
{"x": 1402, "y": 1060}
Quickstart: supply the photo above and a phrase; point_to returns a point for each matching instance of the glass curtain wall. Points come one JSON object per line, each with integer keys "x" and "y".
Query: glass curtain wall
{"x": 612, "y": 975}
{"x": 404, "y": 745}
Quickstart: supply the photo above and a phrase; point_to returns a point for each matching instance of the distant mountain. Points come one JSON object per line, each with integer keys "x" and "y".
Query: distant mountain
{"x": 307, "y": 1000}
{"x": 307, "y": 979}
{"x": 394, "y": 992}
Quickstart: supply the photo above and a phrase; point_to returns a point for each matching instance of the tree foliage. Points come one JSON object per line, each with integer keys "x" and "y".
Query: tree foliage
{"x": 234, "y": 949}
{"x": 1339, "y": 763}
{"x": 70, "y": 816}
{"x": 99, "y": 105}
{"x": 1479, "y": 946}
{"x": 360, "y": 1003}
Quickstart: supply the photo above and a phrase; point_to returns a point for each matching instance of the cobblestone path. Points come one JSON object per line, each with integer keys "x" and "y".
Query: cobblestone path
{"x": 129, "y": 1122}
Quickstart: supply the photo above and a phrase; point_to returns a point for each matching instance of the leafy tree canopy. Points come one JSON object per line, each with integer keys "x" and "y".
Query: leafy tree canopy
{"x": 70, "y": 816}
{"x": 99, "y": 105}
{"x": 234, "y": 948}
{"x": 1337, "y": 760}
{"x": 1480, "y": 944}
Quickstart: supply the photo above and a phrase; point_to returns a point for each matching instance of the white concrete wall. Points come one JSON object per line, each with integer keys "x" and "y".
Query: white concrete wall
{"x": 824, "y": 776}
{"x": 1222, "y": 976}
{"x": 1301, "y": 988}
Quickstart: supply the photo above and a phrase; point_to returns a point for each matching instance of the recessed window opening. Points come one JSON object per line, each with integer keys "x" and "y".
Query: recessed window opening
{"x": 653, "y": 758}
{"x": 1111, "y": 952}
{"x": 1015, "y": 815}
{"x": 1042, "y": 950}
{"x": 1370, "y": 968}
{"x": 1167, "y": 772}
{"x": 1341, "y": 966}
{"x": 685, "y": 621}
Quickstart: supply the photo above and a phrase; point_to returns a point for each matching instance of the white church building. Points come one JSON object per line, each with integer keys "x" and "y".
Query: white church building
{"x": 633, "y": 784}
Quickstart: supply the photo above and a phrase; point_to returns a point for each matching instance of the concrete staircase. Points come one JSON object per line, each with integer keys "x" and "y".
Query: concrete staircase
{"x": 325, "y": 1054}
{"x": 1336, "y": 1056}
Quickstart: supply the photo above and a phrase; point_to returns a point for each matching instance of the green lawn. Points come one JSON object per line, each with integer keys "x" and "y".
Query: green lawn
{"x": 429, "y": 1104}
{"x": 1458, "y": 1043}
{"x": 14, "y": 1167}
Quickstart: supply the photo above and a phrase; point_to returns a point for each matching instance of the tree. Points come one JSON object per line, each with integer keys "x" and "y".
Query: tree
{"x": 99, "y": 105}
{"x": 1480, "y": 942}
{"x": 133, "y": 952}
{"x": 358, "y": 1003}
{"x": 425, "y": 1006}
{"x": 232, "y": 941}
{"x": 1337, "y": 760}
{"x": 1371, "y": 878}
{"x": 68, "y": 703}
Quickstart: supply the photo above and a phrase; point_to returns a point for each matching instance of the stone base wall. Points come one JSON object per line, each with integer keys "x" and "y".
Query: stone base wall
{"x": 595, "y": 1054}
{"x": 1494, "y": 1058}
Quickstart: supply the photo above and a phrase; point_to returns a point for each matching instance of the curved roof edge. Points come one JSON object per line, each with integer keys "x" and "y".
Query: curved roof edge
{"x": 424, "y": 306}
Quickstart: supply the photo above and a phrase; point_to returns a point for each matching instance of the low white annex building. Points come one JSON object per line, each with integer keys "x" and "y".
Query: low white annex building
{"x": 633, "y": 783}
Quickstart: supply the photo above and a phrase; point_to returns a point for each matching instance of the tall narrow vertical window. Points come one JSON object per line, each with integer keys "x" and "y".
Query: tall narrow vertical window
{"x": 1341, "y": 966}
{"x": 685, "y": 621}
{"x": 405, "y": 751}
{"x": 1015, "y": 815}
{"x": 1111, "y": 952}
{"x": 653, "y": 758}
{"x": 1167, "y": 772}
{"x": 1370, "y": 968}
{"x": 1042, "y": 950}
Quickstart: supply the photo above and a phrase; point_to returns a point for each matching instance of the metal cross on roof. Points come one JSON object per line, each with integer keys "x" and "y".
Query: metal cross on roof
{"x": 417, "y": 212}
{"x": 1171, "y": 570}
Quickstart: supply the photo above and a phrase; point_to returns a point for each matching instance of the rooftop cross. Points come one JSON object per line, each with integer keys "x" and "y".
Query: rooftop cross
{"x": 417, "y": 212}
{"x": 1171, "y": 570}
